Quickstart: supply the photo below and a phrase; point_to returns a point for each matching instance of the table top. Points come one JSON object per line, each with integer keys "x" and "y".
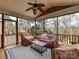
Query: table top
{"x": 39, "y": 42}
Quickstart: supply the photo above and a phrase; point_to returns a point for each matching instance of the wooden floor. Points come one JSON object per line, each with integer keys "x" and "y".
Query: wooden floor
{"x": 2, "y": 55}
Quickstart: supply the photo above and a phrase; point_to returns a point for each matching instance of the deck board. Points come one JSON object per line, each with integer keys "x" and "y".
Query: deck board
{"x": 2, "y": 55}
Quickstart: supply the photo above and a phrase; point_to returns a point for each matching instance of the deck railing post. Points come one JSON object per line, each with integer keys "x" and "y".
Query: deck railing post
{"x": 57, "y": 28}
{"x": 2, "y": 36}
{"x": 17, "y": 31}
{"x": 78, "y": 39}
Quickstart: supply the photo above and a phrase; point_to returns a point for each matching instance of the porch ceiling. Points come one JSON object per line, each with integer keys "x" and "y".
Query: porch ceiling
{"x": 18, "y": 6}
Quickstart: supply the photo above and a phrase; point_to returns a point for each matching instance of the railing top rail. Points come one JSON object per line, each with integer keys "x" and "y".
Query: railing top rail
{"x": 68, "y": 35}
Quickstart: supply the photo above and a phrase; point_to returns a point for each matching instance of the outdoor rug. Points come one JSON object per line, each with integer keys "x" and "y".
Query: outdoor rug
{"x": 25, "y": 52}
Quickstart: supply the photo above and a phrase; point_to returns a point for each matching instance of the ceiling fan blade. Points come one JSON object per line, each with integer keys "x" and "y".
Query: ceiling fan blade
{"x": 29, "y": 8}
{"x": 30, "y": 3}
{"x": 41, "y": 5}
{"x": 40, "y": 9}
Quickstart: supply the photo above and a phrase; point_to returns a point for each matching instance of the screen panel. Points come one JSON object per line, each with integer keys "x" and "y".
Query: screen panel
{"x": 9, "y": 32}
{"x": 51, "y": 25}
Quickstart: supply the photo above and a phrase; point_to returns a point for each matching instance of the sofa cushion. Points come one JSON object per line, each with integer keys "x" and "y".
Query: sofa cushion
{"x": 52, "y": 36}
{"x": 44, "y": 36}
{"x": 29, "y": 37}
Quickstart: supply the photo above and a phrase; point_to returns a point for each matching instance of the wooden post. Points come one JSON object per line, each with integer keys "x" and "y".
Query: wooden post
{"x": 43, "y": 25}
{"x": 57, "y": 28}
{"x": 78, "y": 39}
{"x": 35, "y": 29}
{"x": 52, "y": 53}
{"x": 17, "y": 31}
{"x": 2, "y": 36}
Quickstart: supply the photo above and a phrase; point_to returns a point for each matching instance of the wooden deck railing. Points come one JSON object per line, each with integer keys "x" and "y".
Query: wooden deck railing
{"x": 68, "y": 39}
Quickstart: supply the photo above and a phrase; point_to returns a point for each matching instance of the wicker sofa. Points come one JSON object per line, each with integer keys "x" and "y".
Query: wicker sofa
{"x": 50, "y": 39}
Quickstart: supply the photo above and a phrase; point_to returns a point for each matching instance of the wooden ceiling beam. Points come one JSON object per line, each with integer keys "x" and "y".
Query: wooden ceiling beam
{"x": 54, "y": 9}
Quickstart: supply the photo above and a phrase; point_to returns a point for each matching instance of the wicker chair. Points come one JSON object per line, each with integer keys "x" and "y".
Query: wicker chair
{"x": 25, "y": 41}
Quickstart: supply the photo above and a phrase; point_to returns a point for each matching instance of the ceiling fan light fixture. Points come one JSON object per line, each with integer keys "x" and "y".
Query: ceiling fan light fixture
{"x": 35, "y": 11}
{"x": 35, "y": 7}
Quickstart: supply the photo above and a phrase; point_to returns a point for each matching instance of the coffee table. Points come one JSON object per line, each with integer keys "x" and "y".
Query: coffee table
{"x": 39, "y": 46}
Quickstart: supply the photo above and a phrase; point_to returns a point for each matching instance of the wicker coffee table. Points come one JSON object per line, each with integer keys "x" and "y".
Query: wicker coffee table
{"x": 39, "y": 46}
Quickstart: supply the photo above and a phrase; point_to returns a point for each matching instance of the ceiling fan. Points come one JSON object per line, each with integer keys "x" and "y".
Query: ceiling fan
{"x": 35, "y": 6}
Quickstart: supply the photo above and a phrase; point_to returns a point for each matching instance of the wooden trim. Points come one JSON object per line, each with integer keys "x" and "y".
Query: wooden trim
{"x": 2, "y": 37}
{"x": 60, "y": 15}
{"x": 10, "y": 20}
{"x": 15, "y": 16}
{"x": 17, "y": 31}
